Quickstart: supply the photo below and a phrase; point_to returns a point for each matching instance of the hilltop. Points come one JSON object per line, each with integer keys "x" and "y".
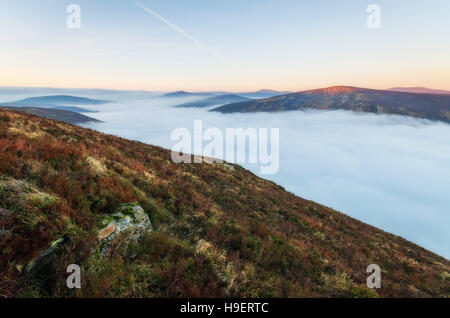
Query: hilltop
{"x": 197, "y": 230}
{"x": 427, "y": 106}
{"x": 180, "y": 94}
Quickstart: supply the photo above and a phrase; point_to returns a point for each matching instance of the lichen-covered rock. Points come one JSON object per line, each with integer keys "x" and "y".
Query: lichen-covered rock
{"x": 131, "y": 220}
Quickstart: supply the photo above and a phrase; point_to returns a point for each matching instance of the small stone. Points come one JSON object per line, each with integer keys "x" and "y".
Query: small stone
{"x": 5, "y": 212}
{"x": 229, "y": 167}
{"x": 19, "y": 268}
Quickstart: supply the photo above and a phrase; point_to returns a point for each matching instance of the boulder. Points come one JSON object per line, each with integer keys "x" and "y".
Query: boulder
{"x": 131, "y": 220}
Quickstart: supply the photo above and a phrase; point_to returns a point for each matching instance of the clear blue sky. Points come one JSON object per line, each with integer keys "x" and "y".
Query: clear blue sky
{"x": 245, "y": 44}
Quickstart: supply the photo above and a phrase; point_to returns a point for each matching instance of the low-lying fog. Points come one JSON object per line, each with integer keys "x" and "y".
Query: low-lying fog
{"x": 389, "y": 171}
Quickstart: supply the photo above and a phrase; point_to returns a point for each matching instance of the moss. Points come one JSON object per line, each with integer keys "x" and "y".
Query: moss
{"x": 127, "y": 209}
{"x": 56, "y": 242}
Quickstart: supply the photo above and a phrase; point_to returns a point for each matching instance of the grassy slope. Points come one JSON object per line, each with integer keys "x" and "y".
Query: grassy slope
{"x": 218, "y": 231}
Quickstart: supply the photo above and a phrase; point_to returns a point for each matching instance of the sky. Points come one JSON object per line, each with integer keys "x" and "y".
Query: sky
{"x": 232, "y": 45}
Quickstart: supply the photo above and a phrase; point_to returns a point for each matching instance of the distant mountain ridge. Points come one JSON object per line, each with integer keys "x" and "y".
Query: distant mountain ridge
{"x": 215, "y": 100}
{"x": 58, "y": 100}
{"x": 262, "y": 93}
{"x": 62, "y": 102}
{"x": 427, "y": 106}
{"x": 179, "y": 94}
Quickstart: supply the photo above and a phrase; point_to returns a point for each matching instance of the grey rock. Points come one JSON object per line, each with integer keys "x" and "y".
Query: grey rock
{"x": 132, "y": 220}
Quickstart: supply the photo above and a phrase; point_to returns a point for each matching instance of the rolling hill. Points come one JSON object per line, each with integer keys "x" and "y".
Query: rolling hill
{"x": 140, "y": 225}
{"x": 56, "y": 100}
{"x": 263, "y": 93}
{"x": 60, "y": 102}
{"x": 427, "y": 106}
{"x": 215, "y": 100}
{"x": 181, "y": 94}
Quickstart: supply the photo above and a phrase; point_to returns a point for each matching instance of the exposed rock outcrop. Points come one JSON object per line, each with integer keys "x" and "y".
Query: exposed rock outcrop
{"x": 131, "y": 220}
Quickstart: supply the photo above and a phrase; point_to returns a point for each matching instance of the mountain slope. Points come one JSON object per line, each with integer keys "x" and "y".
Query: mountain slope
{"x": 216, "y": 100}
{"x": 218, "y": 230}
{"x": 419, "y": 90}
{"x": 428, "y": 106}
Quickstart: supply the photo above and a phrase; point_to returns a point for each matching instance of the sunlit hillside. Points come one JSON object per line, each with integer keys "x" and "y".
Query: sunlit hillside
{"x": 216, "y": 229}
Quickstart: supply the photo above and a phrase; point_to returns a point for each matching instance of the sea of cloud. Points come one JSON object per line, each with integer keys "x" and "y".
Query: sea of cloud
{"x": 392, "y": 172}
